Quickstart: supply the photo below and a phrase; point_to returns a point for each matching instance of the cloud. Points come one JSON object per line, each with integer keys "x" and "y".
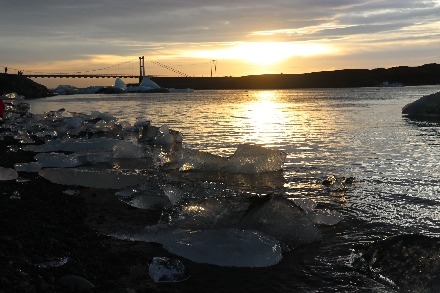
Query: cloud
{"x": 70, "y": 30}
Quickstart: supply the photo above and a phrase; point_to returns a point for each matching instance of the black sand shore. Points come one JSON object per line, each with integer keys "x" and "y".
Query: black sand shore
{"x": 51, "y": 241}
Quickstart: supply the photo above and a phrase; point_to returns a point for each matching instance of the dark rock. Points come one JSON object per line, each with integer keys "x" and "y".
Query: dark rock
{"x": 75, "y": 282}
{"x": 11, "y": 83}
{"x": 425, "y": 106}
{"x": 408, "y": 262}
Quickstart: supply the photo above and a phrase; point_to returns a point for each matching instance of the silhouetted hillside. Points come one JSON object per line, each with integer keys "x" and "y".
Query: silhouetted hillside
{"x": 13, "y": 83}
{"x": 423, "y": 75}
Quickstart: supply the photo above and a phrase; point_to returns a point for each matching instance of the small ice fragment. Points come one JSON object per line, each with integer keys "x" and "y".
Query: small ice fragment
{"x": 28, "y": 167}
{"x": 165, "y": 269}
{"x": 8, "y": 174}
{"x": 164, "y": 136}
{"x": 53, "y": 264}
{"x": 15, "y": 195}
{"x": 147, "y": 201}
{"x": 325, "y": 217}
{"x": 173, "y": 193}
{"x": 305, "y": 203}
{"x": 58, "y": 160}
{"x": 127, "y": 150}
{"x": 126, "y": 192}
{"x": 71, "y": 192}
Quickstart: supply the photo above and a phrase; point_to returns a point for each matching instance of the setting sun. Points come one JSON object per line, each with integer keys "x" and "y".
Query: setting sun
{"x": 266, "y": 53}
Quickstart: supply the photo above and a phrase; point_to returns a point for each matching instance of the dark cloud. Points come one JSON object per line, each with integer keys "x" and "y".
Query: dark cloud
{"x": 64, "y": 29}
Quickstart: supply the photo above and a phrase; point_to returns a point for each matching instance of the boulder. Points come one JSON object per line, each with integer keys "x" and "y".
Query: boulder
{"x": 425, "y": 106}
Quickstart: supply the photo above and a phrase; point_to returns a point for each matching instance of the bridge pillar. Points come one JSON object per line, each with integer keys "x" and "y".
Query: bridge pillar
{"x": 141, "y": 69}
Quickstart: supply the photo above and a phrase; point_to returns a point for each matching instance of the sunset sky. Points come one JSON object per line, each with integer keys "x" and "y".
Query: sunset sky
{"x": 244, "y": 37}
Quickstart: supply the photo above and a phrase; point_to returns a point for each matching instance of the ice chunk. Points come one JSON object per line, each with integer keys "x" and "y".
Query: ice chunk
{"x": 71, "y": 192}
{"x": 210, "y": 213}
{"x": 74, "y": 122}
{"x": 104, "y": 116}
{"x": 164, "y": 136}
{"x": 146, "y": 201}
{"x": 28, "y": 167}
{"x": 165, "y": 269}
{"x": 75, "y": 145}
{"x": 96, "y": 156}
{"x": 15, "y": 195}
{"x": 305, "y": 203}
{"x": 193, "y": 160}
{"x": 325, "y": 217}
{"x": 173, "y": 193}
{"x": 127, "y": 150}
{"x": 254, "y": 159}
{"x": 110, "y": 179}
{"x": 53, "y": 264}
{"x": 278, "y": 217}
{"x": 247, "y": 159}
{"x": 58, "y": 160}
{"x": 226, "y": 247}
{"x": 8, "y": 174}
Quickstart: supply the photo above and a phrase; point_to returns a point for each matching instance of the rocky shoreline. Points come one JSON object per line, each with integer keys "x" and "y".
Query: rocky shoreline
{"x": 53, "y": 238}
{"x": 12, "y": 83}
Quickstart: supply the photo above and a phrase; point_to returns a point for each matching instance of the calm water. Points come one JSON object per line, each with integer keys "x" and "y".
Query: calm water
{"x": 345, "y": 132}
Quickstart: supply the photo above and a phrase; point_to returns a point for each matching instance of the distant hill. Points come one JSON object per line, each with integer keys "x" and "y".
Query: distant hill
{"x": 13, "y": 83}
{"x": 428, "y": 74}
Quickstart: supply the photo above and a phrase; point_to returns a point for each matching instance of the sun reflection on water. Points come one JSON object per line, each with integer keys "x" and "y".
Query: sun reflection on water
{"x": 263, "y": 118}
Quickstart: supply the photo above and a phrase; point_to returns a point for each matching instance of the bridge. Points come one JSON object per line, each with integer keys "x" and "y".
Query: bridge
{"x": 123, "y": 70}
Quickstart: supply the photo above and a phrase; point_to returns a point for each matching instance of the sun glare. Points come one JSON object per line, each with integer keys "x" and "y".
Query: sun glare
{"x": 266, "y": 53}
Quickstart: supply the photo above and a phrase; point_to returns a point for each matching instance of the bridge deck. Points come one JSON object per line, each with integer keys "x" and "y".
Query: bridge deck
{"x": 82, "y": 75}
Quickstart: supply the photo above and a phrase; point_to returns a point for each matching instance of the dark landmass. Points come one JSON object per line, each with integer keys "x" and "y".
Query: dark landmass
{"x": 425, "y": 107}
{"x": 14, "y": 83}
{"x": 428, "y": 74}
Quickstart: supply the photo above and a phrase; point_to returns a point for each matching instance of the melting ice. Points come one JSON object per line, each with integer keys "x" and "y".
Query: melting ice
{"x": 203, "y": 221}
{"x": 247, "y": 159}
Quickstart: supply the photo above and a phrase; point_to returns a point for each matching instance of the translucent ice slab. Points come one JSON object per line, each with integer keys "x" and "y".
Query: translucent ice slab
{"x": 247, "y": 159}
{"x": 225, "y": 247}
{"x": 109, "y": 179}
{"x": 8, "y": 174}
